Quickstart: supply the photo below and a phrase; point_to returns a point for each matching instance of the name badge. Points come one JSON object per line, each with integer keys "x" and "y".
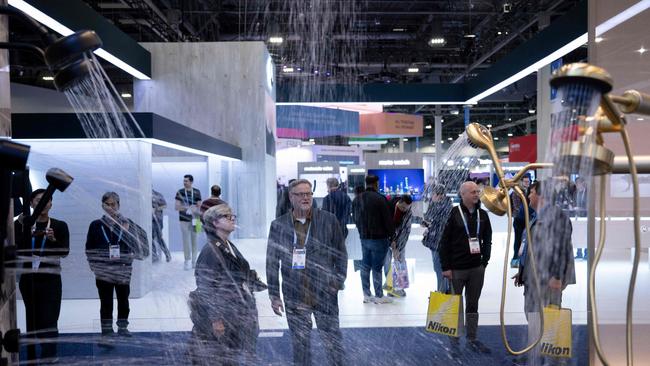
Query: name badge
{"x": 474, "y": 246}
{"x": 114, "y": 252}
{"x": 299, "y": 258}
{"x": 36, "y": 262}
{"x": 194, "y": 222}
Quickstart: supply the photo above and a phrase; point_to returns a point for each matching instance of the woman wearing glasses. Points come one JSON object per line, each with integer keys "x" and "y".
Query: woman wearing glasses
{"x": 222, "y": 307}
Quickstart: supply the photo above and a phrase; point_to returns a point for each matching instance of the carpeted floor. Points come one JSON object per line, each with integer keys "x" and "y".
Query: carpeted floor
{"x": 363, "y": 346}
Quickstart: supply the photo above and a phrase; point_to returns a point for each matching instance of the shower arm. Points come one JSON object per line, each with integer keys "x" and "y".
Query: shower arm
{"x": 23, "y": 46}
{"x": 47, "y": 37}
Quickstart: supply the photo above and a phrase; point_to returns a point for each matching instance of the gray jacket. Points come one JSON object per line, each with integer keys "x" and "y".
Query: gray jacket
{"x": 326, "y": 260}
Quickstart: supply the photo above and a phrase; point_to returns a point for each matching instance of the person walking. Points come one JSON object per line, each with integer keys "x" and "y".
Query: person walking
{"x": 338, "y": 203}
{"x": 188, "y": 202}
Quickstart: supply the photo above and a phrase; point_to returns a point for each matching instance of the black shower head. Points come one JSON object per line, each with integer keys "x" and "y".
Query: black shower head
{"x": 65, "y": 57}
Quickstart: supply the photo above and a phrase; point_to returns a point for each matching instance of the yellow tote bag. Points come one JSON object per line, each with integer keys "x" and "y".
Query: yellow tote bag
{"x": 445, "y": 314}
{"x": 389, "y": 277}
{"x": 556, "y": 341}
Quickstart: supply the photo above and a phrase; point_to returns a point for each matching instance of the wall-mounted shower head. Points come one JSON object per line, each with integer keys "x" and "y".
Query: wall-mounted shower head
{"x": 66, "y": 57}
{"x": 582, "y": 73}
{"x": 495, "y": 200}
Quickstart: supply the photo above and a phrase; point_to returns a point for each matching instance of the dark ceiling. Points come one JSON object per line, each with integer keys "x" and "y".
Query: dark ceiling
{"x": 339, "y": 41}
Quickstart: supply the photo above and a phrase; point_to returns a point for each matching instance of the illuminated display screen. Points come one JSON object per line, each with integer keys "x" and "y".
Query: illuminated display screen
{"x": 400, "y": 181}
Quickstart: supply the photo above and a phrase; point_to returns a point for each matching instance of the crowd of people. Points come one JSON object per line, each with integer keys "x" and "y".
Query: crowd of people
{"x": 306, "y": 262}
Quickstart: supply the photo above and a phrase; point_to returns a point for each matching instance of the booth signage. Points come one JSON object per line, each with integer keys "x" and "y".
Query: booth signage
{"x": 394, "y": 162}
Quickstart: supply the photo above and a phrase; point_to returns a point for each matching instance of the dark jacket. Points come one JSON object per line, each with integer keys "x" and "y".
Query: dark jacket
{"x": 372, "y": 215}
{"x": 326, "y": 260}
{"x": 133, "y": 245}
{"x": 339, "y": 204}
{"x": 436, "y": 219}
{"x": 224, "y": 291}
{"x": 52, "y": 250}
{"x": 551, "y": 233}
{"x": 454, "y": 244}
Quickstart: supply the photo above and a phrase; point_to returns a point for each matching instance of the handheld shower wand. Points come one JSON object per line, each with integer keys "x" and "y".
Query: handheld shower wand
{"x": 498, "y": 202}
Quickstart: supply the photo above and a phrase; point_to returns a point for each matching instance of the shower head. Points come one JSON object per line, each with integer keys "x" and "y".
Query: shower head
{"x": 478, "y": 136}
{"x": 66, "y": 57}
{"x": 582, "y": 73}
{"x": 495, "y": 200}
{"x": 575, "y": 154}
{"x": 58, "y": 179}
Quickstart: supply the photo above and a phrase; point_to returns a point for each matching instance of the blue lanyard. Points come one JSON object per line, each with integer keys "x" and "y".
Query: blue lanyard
{"x": 119, "y": 238}
{"x": 295, "y": 237}
{"x": 478, "y": 221}
{"x": 187, "y": 200}
{"x": 42, "y": 241}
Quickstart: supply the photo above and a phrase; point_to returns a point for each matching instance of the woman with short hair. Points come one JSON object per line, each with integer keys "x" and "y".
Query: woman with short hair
{"x": 222, "y": 307}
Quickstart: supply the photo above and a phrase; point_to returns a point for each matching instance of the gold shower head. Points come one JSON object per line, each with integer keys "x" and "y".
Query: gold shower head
{"x": 495, "y": 200}
{"x": 478, "y": 136}
{"x": 583, "y": 73}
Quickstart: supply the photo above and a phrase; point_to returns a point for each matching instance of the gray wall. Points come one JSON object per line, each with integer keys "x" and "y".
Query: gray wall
{"x": 220, "y": 89}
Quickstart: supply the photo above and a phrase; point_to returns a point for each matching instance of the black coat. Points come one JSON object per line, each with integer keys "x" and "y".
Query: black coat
{"x": 454, "y": 244}
{"x": 326, "y": 260}
{"x": 52, "y": 250}
{"x": 373, "y": 216}
{"x": 224, "y": 291}
{"x": 133, "y": 245}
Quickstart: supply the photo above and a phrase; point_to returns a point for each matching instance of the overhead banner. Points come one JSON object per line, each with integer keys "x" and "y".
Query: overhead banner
{"x": 390, "y": 125}
{"x": 523, "y": 148}
{"x": 297, "y": 121}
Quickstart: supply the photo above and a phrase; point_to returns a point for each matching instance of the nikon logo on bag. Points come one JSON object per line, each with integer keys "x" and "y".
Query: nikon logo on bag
{"x": 439, "y": 328}
{"x": 550, "y": 349}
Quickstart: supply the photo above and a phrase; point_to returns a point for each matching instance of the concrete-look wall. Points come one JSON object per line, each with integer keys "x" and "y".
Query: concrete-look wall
{"x": 97, "y": 167}
{"x": 220, "y": 89}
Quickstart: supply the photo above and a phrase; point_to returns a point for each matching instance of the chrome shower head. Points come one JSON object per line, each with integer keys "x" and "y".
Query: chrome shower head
{"x": 66, "y": 57}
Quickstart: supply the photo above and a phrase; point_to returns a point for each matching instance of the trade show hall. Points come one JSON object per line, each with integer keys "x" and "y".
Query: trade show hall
{"x": 320, "y": 182}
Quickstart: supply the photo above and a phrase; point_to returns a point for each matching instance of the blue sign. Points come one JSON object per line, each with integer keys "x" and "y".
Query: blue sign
{"x": 316, "y": 121}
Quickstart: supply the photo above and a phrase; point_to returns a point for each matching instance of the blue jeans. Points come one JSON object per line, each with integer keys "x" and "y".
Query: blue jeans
{"x": 373, "y": 254}
{"x": 443, "y": 284}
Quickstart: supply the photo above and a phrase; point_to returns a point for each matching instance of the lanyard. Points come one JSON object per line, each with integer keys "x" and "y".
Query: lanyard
{"x": 44, "y": 238}
{"x": 478, "y": 221}
{"x": 119, "y": 238}
{"x": 187, "y": 200}
{"x": 295, "y": 236}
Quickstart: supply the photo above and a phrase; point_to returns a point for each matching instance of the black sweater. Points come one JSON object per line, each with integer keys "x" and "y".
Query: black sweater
{"x": 454, "y": 244}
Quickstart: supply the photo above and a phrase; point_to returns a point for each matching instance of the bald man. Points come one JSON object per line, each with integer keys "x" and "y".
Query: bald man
{"x": 464, "y": 253}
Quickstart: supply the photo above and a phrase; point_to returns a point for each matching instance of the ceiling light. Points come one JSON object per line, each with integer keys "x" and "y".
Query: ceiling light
{"x": 442, "y": 120}
{"x": 509, "y": 135}
{"x": 405, "y": 140}
{"x": 488, "y": 126}
{"x": 639, "y": 118}
{"x": 454, "y": 112}
{"x": 509, "y": 119}
{"x": 460, "y": 134}
{"x": 48, "y": 78}
{"x": 496, "y": 139}
{"x": 442, "y": 141}
{"x": 499, "y": 32}
{"x": 126, "y": 95}
{"x": 287, "y": 69}
{"x": 428, "y": 127}
{"x": 642, "y": 50}
{"x": 312, "y": 140}
{"x": 413, "y": 69}
{"x": 399, "y": 30}
{"x": 599, "y": 39}
{"x": 276, "y": 40}
{"x": 470, "y": 36}
{"x": 531, "y": 111}
{"x": 437, "y": 41}
{"x": 449, "y": 138}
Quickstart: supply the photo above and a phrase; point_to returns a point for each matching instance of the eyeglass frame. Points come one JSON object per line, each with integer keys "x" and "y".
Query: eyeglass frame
{"x": 303, "y": 194}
